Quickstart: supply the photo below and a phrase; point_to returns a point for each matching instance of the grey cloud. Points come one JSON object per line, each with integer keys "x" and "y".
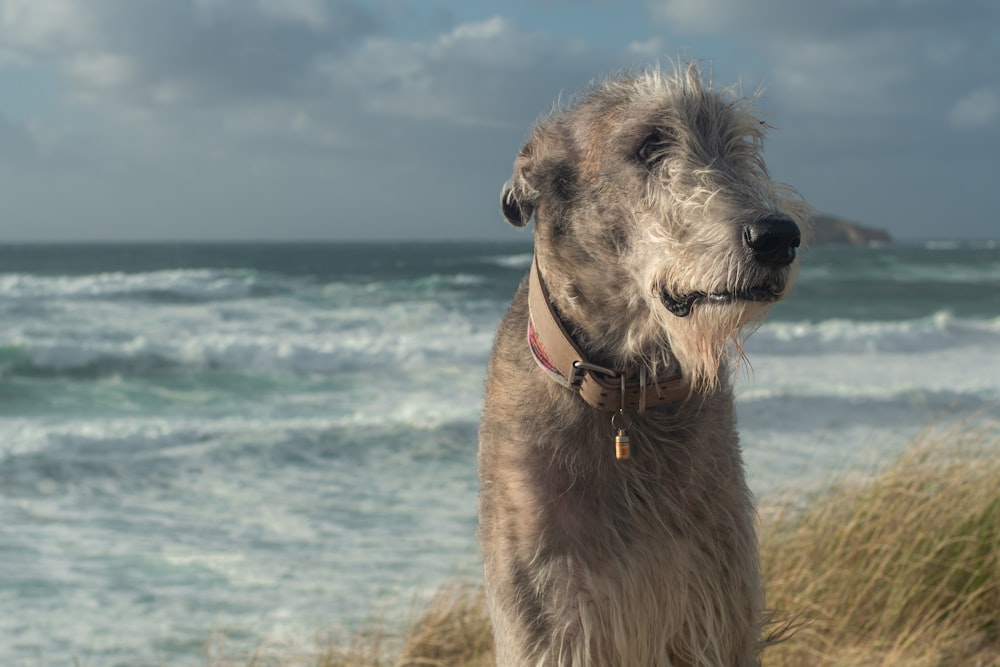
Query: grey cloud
{"x": 34, "y": 144}
{"x": 311, "y": 74}
{"x": 205, "y": 110}
{"x": 869, "y": 60}
{"x": 978, "y": 109}
{"x": 16, "y": 142}
{"x": 818, "y": 19}
{"x": 486, "y": 73}
{"x": 337, "y": 117}
{"x": 189, "y": 52}
{"x": 854, "y": 75}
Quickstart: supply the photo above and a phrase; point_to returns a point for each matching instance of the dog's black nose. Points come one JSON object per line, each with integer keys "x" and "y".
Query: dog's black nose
{"x": 773, "y": 240}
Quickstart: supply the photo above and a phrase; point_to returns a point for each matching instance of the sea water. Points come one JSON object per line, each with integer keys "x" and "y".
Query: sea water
{"x": 254, "y": 443}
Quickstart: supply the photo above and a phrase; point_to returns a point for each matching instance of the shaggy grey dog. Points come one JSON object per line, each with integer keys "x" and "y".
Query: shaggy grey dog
{"x": 660, "y": 240}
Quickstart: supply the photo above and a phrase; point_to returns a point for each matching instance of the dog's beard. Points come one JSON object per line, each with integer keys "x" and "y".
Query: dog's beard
{"x": 706, "y": 328}
{"x": 704, "y": 321}
{"x": 708, "y": 343}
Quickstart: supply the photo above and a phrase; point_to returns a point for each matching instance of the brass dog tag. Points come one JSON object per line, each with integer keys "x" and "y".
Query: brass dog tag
{"x": 622, "y": 442}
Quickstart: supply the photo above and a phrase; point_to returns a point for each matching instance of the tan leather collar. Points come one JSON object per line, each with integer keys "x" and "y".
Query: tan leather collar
{"x": 610, "y": 390}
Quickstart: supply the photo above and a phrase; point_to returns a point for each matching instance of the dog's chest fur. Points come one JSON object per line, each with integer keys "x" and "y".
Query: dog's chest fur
{"x": 606, "y": 562}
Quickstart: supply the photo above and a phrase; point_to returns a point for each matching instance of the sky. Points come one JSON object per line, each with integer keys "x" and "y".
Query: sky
{"x": 400, "y": 119}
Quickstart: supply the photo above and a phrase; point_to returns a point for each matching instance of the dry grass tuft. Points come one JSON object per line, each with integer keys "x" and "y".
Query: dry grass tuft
{"x": 901, "y": 568}
{"x": 454, "y": 630}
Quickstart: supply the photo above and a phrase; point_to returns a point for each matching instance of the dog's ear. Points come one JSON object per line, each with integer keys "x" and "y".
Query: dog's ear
{"x": 518, "y": 198}
{"x": 517, "y": 209}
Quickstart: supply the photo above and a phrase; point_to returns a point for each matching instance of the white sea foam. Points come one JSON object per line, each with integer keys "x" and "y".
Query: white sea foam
{"x": 938, "y": 331}
{"x": 263, "y": 337}
{"x": 465, "y": 279}
{"x": 177, "y": 446}
{"x": 282, "y": 338}
{"x": 188, "y": 283}
{"x": 208, "y": 516}
{"x": 407, "y": 400}
{"x": 518, "y": 261}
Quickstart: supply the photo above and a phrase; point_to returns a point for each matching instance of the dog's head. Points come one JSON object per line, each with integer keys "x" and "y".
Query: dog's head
{"x": 658, "y": 228}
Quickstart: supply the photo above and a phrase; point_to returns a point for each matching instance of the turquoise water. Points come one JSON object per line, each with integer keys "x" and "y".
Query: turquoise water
{"x": 261, "y": 441}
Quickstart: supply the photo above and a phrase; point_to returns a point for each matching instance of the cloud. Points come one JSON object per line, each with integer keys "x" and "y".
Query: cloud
{"x": 863, "y": 59}
{"x": 319, "y": 105}
{"x": 181, "y": 52}
{"x": 792, "y": 17}
{"x": 767, "y": 16}
{"x": 34, "y": 29}
{"x": 650, "y": 49}
{"x": 313, "y": 14}
{"x": 293, "y": 70}
{"x": 222, "y": 106}
{"x": 34, "y": 144}
{"x": 477, "y": 74}
{"x": 853, "y": 75}
{"x": 101, "y": 70}
{"x": 16, "y": 142}
{"x": 979, "y": 108}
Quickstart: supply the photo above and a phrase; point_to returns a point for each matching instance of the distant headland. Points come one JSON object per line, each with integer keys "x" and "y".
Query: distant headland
{"x": 829, "y": 230}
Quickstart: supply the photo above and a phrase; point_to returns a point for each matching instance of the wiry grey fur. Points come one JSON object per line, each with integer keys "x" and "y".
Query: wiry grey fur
{"x": 641, "y": 192}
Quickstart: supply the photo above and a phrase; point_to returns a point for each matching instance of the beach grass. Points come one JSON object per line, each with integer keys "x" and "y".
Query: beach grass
{"x": 898, "y": 567}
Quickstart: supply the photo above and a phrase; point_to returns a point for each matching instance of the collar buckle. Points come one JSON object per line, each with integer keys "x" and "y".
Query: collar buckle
{"x": 603, "y": 388}
{"x": 581, "y": 367}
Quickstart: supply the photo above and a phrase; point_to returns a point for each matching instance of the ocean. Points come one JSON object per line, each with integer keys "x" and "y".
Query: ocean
{"x": 255, "y": 443}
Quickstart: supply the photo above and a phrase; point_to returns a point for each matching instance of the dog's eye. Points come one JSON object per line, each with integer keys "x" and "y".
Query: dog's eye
{"x": 647, "y": 150}
{"x": 653, "y": 147}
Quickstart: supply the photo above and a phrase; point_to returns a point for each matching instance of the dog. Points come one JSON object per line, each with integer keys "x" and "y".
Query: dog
{"x": 615, "y": 523}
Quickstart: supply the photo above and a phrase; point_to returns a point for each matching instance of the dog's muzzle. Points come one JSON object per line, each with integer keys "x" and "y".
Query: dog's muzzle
{"x": 771, "y": 243}
{"x": 681, "y": 306}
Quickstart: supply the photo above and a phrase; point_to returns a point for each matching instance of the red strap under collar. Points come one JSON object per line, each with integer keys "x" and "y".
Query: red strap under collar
{"x": 602, "y": 388}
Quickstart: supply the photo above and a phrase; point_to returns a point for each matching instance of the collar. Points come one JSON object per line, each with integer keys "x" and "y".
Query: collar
{"x": 606, "y": 389}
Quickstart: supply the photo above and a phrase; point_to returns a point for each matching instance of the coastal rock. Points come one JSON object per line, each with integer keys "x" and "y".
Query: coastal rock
{"x": 828, "y": 230}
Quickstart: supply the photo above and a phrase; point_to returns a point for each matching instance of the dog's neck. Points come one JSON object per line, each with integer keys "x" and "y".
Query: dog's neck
{"x": 606, "y": 389}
